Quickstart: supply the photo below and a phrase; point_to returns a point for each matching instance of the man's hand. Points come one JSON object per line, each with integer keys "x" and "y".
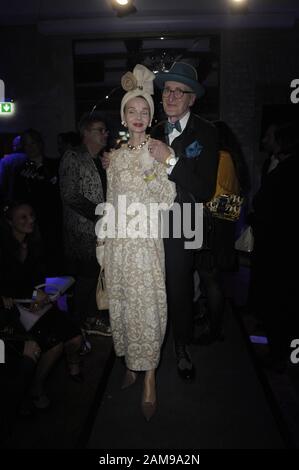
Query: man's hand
{"x": 105, "y": 159}
{"x": 158, "y": 150}
{"x": 41, "y": 300}
{"x": 7, "y": 302}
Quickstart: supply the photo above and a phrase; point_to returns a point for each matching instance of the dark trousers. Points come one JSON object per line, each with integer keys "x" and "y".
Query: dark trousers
{"x": 86, "y": 273}
{"x": 15, "y": 376}
{"x": 211, "y": 286}
{"x": 180, "y": 288}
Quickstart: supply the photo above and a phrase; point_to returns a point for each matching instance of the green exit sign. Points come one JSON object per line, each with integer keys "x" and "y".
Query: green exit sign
{"x": 6, "y": 107}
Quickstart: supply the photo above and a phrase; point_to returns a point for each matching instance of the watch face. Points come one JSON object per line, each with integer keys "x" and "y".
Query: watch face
{"x": 172, "y": 161}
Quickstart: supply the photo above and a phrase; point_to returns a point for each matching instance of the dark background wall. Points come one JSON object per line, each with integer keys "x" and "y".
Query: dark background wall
{"x": 257, "y": 67}
{"x": 38, "y": 74}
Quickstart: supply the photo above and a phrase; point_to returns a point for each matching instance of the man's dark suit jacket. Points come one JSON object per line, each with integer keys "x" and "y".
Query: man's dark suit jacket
{"x": 195, "y": 177}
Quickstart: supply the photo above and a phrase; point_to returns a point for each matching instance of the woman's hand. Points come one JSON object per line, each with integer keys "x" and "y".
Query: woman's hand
{"x": 41, "y": 300}
{"x": 7, "y": 302}
{"x": 32, "y": 350}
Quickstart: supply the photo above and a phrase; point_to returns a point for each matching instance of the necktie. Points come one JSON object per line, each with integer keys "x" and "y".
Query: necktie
{"x": 172, "y": 125}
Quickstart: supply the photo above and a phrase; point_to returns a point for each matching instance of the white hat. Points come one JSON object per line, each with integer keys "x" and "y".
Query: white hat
{"x": 138, "y": 83}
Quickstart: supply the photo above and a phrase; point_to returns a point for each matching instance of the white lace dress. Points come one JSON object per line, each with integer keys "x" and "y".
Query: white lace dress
{"x": 134, "y": 267}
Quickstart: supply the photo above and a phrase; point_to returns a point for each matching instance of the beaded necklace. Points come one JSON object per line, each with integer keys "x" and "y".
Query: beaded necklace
{"x": 138, "y": 147}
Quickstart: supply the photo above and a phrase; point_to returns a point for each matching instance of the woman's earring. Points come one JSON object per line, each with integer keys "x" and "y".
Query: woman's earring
{"x": 124, "y": 123}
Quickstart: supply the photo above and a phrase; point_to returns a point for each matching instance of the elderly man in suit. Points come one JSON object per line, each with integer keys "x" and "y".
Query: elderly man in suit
{"x": 192, "y": 165}
{"x": 82, "y": 187}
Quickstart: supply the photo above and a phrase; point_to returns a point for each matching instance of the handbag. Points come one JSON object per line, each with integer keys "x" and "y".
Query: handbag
{"x": 28, "y": 318}
{"x": 101, "y": 293}
{"x": 245, "y": 241}
{"x": 226, "y": 206}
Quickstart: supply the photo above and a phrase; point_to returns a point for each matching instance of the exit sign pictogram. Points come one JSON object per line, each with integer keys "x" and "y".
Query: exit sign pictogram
{"x": 6, "y": 107}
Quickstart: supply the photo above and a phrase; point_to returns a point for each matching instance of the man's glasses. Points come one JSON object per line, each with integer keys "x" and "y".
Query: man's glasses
{"x": 178, "y": 93}
{"x": 101, "y": 130}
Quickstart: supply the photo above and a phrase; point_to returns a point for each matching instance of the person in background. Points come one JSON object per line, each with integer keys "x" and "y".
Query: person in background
{"x": 35, "y": 180}
{"x": 270, "y": 146}
{"x": 67, "y": 141}
{"x": 220, "y": 255}
{"x": 16, "y": 374}
{"x": 9, "y": 165}
{"x": 273, "y": 292}
{"x": 21, "y": 270}
{"x": 17, "y": 147}
{"x": 82, "y": 187}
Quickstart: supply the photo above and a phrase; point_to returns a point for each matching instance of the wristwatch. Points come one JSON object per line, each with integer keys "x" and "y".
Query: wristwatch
{"x": 170, "y": 160}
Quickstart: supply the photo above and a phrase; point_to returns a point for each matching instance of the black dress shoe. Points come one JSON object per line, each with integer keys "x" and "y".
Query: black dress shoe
{"x": 209, "y": 338}
{"x": 129, "y": 379}
{"x": 185, "y": 367}
{"x": 79, "y": 378}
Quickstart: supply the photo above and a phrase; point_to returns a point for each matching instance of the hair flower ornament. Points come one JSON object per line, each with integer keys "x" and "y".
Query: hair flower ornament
{"x": 128, "y": 81}
{"x": 138, "y": 83}
{"x": 140, "y": 79}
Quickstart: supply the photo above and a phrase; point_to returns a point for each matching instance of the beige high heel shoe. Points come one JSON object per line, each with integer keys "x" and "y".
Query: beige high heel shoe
{"x": 149, "y": 407}
{"x": 129, "y": 379}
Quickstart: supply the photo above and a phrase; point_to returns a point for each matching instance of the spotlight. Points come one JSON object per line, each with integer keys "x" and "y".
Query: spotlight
{"x": 238, "y": 7}
{"x": 123, "y": 7}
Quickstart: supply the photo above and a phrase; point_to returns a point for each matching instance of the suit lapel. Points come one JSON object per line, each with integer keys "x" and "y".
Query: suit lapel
{"x": 186, "y": 138}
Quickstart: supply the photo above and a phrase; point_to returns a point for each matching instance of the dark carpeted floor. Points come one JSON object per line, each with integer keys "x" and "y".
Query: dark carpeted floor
{"x": 66, "y": 424}
{"x": 233, "y": 403}
{"x": 225, "y": 408}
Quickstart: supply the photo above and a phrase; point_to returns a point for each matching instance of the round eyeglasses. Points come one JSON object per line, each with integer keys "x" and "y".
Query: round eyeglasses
{"x": 178, "y": 92}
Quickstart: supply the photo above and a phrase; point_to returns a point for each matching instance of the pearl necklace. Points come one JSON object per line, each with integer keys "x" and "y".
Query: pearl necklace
{"x": 138, "y": 147}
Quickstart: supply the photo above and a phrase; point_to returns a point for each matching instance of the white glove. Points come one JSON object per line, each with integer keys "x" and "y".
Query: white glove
{"x": 100, "y": 251}
{"x": 146, "y": 162}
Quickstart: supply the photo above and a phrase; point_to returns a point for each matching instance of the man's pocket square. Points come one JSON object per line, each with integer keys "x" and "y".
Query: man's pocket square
{"x": 193, "y": 150}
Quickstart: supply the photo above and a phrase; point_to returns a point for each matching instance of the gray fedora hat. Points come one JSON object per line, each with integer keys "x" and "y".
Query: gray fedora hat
{"x": 183, "y": 73}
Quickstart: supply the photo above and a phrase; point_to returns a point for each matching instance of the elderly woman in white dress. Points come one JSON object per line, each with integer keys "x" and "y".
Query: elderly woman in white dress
{"x": 134, "y": 253}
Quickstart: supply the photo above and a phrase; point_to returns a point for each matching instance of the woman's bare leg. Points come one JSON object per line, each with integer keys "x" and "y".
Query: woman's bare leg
{"x": 45, "y": 364}
{"x": 149, "y": 397}
{"x": 72, "y": 351}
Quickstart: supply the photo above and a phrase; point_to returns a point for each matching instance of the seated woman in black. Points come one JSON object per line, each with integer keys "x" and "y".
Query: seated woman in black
{"x": 21, "y": 269}
{"x": 21, "y": 355}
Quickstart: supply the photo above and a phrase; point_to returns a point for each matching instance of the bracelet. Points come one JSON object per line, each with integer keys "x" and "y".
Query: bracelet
{"x": 166, "y": 162}
{"x": 150, "y": 177}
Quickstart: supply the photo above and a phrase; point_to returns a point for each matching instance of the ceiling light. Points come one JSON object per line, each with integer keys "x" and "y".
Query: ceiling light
{"x": 123, "y": 7}
{"x": 238, "y": 6}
